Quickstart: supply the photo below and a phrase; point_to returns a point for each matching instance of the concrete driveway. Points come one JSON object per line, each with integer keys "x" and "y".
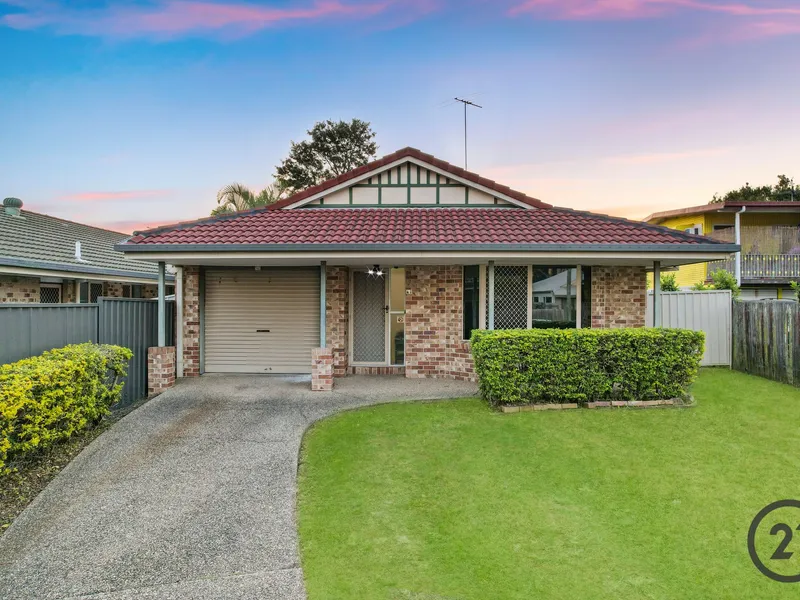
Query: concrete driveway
{"x": 190, "y": 496}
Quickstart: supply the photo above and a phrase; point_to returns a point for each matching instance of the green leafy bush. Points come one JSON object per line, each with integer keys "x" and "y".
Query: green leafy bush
{"x": 725, "y": 280}
{"x": 669, "y": 283}
{"x": 581, "y": 365}
{"x": 47, "y": 398}
{"x": 553, "y": 324}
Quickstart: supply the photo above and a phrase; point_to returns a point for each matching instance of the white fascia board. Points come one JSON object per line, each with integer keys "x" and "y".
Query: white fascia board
{"x": 416, "y": 161}
{"x": 431, "y": 258}
{"x": 71, "y": 275}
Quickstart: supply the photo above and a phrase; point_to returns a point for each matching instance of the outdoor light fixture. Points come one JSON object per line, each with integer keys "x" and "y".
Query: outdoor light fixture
{"x": 375, "y": 270}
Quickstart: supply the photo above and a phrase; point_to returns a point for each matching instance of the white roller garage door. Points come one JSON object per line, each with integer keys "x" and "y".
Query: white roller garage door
{"x": 261, "y": 321}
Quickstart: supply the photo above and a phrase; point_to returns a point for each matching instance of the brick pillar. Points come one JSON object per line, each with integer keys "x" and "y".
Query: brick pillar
{"x": 336, "y": 317}
{"x": 321, "y": 370}
{"x": 434, "y": 324}
{"x": 619, "y": 297}
{"x": 191, "y": 321}
{"x": 160, "y": 369}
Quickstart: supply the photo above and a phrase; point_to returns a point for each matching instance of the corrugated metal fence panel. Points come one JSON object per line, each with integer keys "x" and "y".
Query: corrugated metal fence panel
{"x": 30, "y": 329}
{"x": 708, "y": 311}
{"x": 133, "y": 323}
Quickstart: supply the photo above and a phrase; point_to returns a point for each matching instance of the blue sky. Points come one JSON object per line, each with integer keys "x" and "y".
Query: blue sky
{"x": 125, "y": 114}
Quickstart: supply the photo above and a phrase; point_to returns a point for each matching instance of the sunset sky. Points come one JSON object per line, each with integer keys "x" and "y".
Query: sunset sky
{"x": 126, "y": 114}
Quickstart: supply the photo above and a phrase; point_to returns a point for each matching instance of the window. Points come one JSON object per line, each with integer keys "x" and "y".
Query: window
{"x": 694, "y": 229}
{"x": 556, "y": 288}
{"x": 510, "y": 297}
{"x": 471, "y": 300}
{"x": 126, "y": 291}
{"x": 50, "y": 293}
{"x": 90, "y": 292}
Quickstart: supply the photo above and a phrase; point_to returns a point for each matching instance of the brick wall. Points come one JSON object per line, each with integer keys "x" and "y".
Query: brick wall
{"x": 69, "y": 291}
{"x": 160, "y": 369}
{"x": 191, "y": 321}
{"x": 619, "y": 296}
{"x": 112, "y": 289}
{"x": 149, "y": 291}
{"x": 434, "y": 324}
{"x": 336, "y": 317}
{"x": 321, "y": 370}
{"x": 19, "y": 289}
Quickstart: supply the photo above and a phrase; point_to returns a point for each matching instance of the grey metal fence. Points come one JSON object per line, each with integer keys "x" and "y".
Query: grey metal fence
{"x": 133, "y": 323}
{"x": 708, "y": 311}
{"x": 30, "y": 329}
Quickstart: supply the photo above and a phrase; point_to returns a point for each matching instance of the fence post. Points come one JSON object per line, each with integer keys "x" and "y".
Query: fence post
{"x": 657, "y": 293}
{"x": 162, "y": 312}
{"x": 490, "y": 308}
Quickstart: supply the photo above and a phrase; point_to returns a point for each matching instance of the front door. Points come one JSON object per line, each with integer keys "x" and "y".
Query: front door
{"x": 379, "y": 317}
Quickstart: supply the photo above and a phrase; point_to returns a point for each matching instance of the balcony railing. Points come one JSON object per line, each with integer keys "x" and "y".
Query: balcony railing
{"x": 762, "y": 267}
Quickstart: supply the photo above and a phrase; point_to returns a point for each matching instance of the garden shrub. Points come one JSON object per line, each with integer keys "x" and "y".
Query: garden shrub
{"x": 47, "y": 398}
{"x": 582, "y": 365}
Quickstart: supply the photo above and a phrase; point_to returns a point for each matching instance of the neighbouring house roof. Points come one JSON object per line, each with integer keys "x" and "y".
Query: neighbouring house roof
{"x": 411, "y": 227}
{"x": 557, "y": 284}
{"x": 36, "y": 241}
{"x": 730, "y": 207}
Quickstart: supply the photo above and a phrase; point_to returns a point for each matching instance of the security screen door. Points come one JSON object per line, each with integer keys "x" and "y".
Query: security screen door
{"x": 379, "y": 317}
{"x": 369, "y": 318}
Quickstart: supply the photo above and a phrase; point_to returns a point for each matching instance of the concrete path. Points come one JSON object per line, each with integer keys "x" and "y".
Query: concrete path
{"x": 190, "y": 496}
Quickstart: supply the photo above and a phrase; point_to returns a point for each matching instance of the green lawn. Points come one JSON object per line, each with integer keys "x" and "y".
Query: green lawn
{"x": 448, "y": 500}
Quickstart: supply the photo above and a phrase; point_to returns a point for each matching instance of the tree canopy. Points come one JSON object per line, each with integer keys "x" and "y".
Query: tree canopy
{"x": 334, "y": 148}
{"x": 783, "y": 191}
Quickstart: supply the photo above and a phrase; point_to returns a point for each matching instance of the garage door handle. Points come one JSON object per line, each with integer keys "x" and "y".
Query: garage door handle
{"x": 262, "y": 330}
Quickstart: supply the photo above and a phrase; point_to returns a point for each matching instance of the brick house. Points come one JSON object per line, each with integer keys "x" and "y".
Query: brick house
{"x": 45, "y": 259}
{"x": 388, "y": 269}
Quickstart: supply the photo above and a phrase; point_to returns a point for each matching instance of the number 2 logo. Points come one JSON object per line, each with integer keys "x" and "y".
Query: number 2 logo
{"x": 780, "y": 551}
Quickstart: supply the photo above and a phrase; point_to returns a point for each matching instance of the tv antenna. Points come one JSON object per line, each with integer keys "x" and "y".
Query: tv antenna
{"x": 466, "y": 103}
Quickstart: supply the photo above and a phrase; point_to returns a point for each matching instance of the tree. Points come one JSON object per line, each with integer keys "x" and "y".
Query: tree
{"x": 236, "y": 197}
{"x": 784, "y": 190}
{"x": 334, "y": 149}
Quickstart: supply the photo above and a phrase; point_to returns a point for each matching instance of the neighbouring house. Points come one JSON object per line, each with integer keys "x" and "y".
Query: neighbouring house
{"x": 769, "y": 235}
{"x": 389, "y": 268}
{"x": 50, "y": 260}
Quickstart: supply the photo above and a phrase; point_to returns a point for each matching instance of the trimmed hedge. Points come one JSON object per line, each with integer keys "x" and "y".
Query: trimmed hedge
{"x": 47, "y": 398}
{"x": 583, "y": 365}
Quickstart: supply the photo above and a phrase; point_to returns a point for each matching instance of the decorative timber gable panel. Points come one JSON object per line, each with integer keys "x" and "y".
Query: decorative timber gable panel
{"x": 408, "y": 184}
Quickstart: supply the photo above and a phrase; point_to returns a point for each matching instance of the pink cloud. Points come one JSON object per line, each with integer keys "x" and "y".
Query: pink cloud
{"x": 110, "y": 196}
{"x": 665, "y": 157}
{"x": 746, "y": 19}
{"x": 642, "y": 9}
{"x": 172, "y": 18}
{"x": 127, "y": 227}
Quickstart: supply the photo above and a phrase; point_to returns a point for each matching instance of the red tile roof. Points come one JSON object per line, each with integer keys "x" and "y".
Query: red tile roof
{"x": 419, "y": 155}
{"x": 416, "y": 226}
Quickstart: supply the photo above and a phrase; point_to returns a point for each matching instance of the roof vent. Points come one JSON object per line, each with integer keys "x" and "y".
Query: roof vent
{"x": 78, "y": 256}
{"x": 12, "y": 206}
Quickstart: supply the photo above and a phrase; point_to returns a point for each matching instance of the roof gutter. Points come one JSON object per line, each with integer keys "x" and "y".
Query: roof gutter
{"x": 681, "y": 248}
{"x": 77, "y": 269}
